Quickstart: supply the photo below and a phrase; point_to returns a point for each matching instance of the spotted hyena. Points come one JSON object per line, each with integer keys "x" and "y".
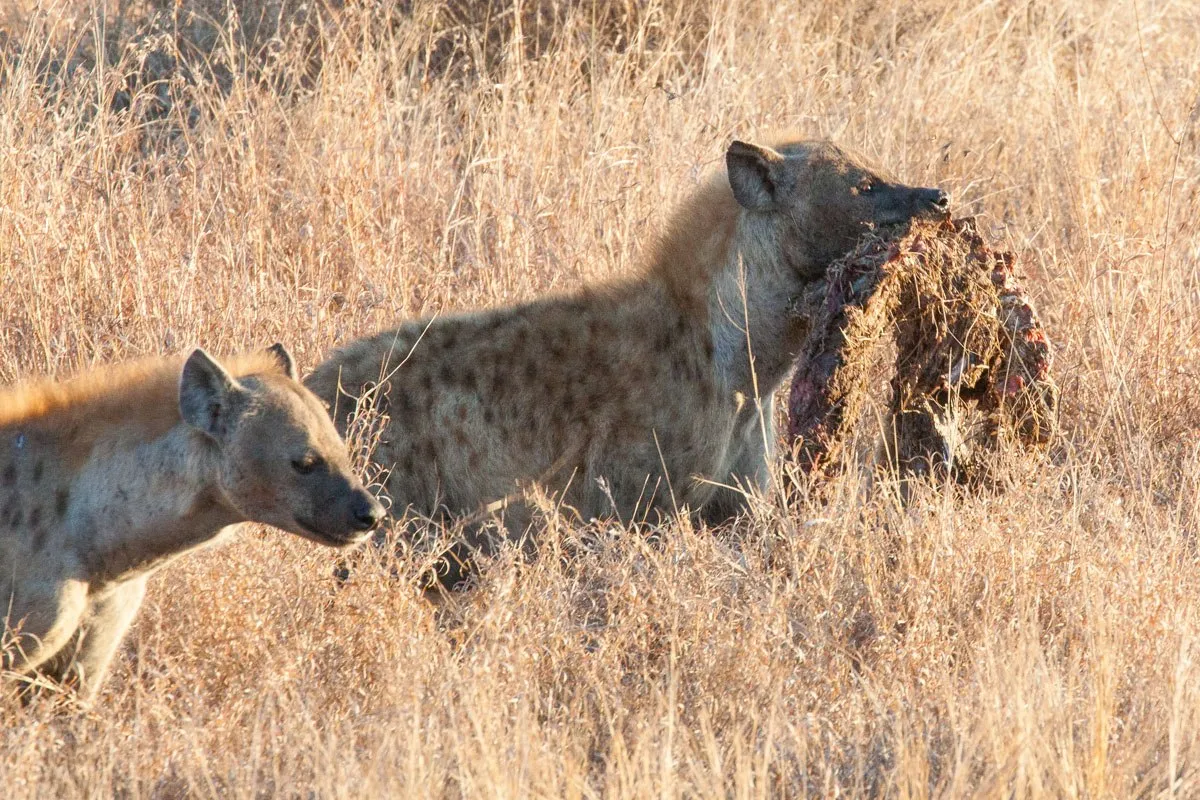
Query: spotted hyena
{"x": 648, "y": 394}
{"x": 108, "y": 477}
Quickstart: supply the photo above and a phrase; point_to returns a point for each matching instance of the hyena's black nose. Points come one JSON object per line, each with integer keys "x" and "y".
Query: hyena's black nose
{"x": 367, "y": 511}
{"x": 933, "y": 198}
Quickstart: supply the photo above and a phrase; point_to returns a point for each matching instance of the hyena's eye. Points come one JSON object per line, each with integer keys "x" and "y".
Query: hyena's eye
{"x": 866, "y": 187}
{"x": 307, "y": 464}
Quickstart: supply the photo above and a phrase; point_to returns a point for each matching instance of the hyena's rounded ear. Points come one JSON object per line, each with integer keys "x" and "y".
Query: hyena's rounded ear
{"x": 207, "y": 395}
{"x": 754, "y": 174}
{"x": 284, "y": 358}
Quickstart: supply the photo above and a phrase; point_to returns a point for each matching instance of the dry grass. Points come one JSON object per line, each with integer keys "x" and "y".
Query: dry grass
{"x": 311, "y": 182}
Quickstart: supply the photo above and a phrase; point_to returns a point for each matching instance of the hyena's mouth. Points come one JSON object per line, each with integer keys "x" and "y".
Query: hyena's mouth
{"x": 311, "y": 531}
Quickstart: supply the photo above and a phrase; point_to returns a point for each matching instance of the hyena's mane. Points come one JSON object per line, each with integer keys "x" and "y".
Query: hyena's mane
{"x": 142, "y": 395}
{"x": 694, "y": 244}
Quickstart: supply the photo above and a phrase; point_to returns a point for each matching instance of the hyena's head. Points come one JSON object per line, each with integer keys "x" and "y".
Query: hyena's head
{"x": 281, "y": 460}
{"x": 819, "y": 199}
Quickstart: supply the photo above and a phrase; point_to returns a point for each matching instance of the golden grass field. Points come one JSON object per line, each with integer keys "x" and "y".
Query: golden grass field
{"x": 308, "y": 174}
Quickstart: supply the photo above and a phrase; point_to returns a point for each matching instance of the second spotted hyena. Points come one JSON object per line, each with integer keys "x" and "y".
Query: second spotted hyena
{"x": 650, "y": 393}
{"x": 108, "y": 477}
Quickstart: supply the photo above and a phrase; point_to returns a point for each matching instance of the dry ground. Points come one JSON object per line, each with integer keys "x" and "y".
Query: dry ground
{"x": 314, "y": 175}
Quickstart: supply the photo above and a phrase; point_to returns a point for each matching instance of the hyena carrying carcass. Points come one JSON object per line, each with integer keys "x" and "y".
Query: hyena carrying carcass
{"x": 108, "y": 477}
{"x": 647, "y": 394}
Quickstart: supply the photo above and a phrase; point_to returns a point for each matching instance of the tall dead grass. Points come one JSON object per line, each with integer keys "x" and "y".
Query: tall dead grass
{"x": 234, "y": 185}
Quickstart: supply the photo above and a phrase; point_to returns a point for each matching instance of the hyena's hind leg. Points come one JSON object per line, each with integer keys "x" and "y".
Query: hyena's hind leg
{"x": 471, "y": 538}
{"x": 87, "y": 659}
{"x": 482, "y": 535}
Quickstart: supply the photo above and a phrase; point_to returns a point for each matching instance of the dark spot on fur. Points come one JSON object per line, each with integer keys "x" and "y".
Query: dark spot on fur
{"x": 9, "y": 505}
{"x": 446, "y": 376}
{"x": 531, "y": 371}
{"x": 10, "y": 475}
{"x": 427, "y": 382}
{"x": 62, "y": 499}
{"x": 450, "y": 340}
{"x": 462, "y": 412}
{"x": 35, "y": 517}
{"x": 460, "y": 438}
{"x": 591, "y": 353}
{"x": 471, "y": 381}
{"x": 662, "y": 342}
{"x": 489, "y": 415}
{"x": 679, "y": 370}
{"x": 39, "y": 538}
{"x": 403, "y": 403}
{"x": 16, "y": 519}
{"x": 39, "y": 469}
{"x": 473, "y": 460}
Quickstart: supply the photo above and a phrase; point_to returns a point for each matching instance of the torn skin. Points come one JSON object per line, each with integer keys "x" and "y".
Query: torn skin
{"x": 972, "y": 362}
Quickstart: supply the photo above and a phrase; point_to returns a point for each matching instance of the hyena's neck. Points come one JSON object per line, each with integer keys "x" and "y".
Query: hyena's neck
{"x": 138, "y": 505}
{"x": 755, "y": 335}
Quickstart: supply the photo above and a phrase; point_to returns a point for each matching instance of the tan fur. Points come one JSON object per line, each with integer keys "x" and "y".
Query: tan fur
{"x": 633, "y": 397}
{"x": 107, "y": 477}
{"x": 89, "y": 404}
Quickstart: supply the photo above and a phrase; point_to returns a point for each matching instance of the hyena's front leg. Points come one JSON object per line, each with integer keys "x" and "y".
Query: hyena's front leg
{"x": 104, "y": 626}
{"x": 39, "y": 622}
{"x": 750, "y": 470}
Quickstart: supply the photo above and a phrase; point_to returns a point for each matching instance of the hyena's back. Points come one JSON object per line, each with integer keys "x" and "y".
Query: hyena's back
{"x": 564, "y": 392}
{"x": 663, "y": 382}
